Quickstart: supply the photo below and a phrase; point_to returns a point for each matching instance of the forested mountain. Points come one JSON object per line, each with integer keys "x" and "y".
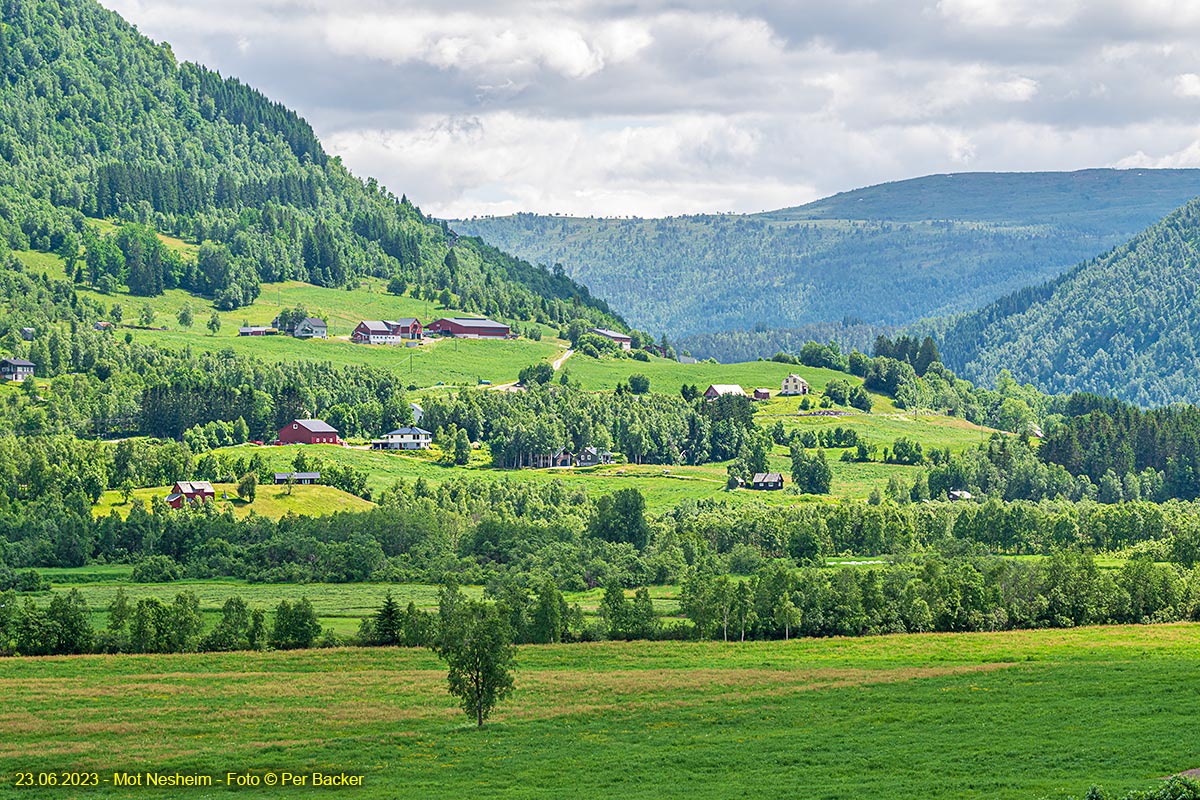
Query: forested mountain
{"x": 99, "y": 121}
{"x": 1126, "y": 324}
{"x": 888, "y": 254}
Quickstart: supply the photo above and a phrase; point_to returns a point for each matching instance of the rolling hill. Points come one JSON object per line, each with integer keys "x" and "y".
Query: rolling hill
{"x": 1126, "y": 324}
{"x": 99, "y": 121}
{"x": 888, "y": 254}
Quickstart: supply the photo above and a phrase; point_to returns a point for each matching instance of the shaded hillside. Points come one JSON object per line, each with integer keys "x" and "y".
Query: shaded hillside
{"x": 1126, "y": 324}
{"x": 99, "y": 121}
{"x": 888, "y": 254}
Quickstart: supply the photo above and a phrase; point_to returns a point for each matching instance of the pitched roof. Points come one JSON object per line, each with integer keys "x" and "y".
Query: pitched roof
{"x": 300, "y": 476}
{"x": 316, "y": 425}
{"x": 767, "y": 477}
{"x": 726, "y": 388}
{"x": 313, "y": 321}
{"x": 376, "y": 326}
{"x": 610, "y": 334}
{"x": 195, "y": 487}
{"x": 17, "y": 362}
{"x": 410, "y": 430}
{"x": 472, "y": 322}
{"x": 404, "y": 322}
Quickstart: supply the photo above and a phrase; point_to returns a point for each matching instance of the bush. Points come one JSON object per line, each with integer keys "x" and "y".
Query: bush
{"x": 156, "y": 569}
{"x": 30, "y": 581}
{"x": 639, "y": 383}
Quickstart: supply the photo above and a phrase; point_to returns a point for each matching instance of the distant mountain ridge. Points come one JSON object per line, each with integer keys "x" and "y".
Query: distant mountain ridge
{"x": 885, "y": 255}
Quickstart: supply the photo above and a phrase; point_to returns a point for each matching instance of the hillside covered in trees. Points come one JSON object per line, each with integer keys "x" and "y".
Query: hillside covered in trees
{"x": 100, "y": 122}
{"x": 1126, "y": 324}
{"x": 888, "y": 254}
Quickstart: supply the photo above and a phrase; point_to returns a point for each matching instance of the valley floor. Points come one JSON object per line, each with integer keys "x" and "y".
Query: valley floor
{"x": 1006, "y": 715}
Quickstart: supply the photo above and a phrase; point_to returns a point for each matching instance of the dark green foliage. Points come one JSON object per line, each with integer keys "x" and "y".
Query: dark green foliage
{"x": 389, "y": 622}
{"x": 621, "y": 517}
{"x": 638, "y": 383}
{"x": 811, "y": 473}
{"x": 232, "y": 631}
{"x": 527, "y": 428}
{"x": 539, "y": 373}
{"x": 156, "y": 569}
{"x": 480, "y": 654}
{"x": 1126, "y": 323}
{"x": 1102, "y": 437}
{"x": 295, "y": 625}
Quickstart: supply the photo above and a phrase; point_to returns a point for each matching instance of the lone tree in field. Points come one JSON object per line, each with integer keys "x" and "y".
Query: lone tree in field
{"x": 214, "y": 324}
{"x": 478, "y": 648}
{"x": 247, "y": 487}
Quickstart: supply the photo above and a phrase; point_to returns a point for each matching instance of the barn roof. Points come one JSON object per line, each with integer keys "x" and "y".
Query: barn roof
{"x": 473, "y": 322}
{"x": 316, "y": 425}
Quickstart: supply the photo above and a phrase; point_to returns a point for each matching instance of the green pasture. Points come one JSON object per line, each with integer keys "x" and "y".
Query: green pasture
{"x": 270, "y": 500}
{"x": 1030, "y": 714}
{"x": 339, "y": 606}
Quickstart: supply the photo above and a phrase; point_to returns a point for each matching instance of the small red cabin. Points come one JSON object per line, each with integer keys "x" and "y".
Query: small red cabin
{"x": 308, "y": 431}
{"x": 190, "y": 492}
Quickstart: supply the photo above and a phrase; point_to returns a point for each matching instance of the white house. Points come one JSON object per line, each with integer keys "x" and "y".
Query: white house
{"x": 621, "y": 339}
{"x": 386, "y": 331}
{"x": 793, "y": 384}
{"x": 409, "y": 438}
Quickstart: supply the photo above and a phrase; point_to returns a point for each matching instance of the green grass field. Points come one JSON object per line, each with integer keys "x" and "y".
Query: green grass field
{"x": 339, "y": 606}
{"x": 1007, "y": 715}
{"x": 663, "y": 487}
{"x": 269, "y": 501}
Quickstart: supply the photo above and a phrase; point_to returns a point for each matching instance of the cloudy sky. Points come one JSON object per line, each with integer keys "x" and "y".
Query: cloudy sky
{"x": 613, "y": 107}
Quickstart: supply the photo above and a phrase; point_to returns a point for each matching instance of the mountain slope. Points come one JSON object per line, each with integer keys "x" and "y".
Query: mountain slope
{"x": 99, "y": 121}
{"x": 888, "y": 254}
{"x": 1126, "y": 324}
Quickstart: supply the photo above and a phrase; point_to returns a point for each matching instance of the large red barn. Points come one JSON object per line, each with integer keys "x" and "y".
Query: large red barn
{"x": 470, "y": 328}
{"x": 308, "y": 431}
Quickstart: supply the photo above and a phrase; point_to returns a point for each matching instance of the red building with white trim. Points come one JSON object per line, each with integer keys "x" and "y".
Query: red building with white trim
{"x": 308, "y": 431}
{"x": 191, "y": 492}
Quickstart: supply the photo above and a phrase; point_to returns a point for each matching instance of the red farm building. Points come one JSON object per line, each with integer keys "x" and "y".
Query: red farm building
{"x": 308, "y": 431}
{"x": 469, "y": 328}
{"x": 191, "y": 493}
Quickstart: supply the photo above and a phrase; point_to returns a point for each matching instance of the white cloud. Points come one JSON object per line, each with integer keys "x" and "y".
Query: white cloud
{"x": 597, "y": 107}
{"x": 1009, "y": 13}
{"x": 485, "y": 44}
{"x": 1187, "y": 85}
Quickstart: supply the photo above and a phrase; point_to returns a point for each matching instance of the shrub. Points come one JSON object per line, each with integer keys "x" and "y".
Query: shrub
{"x": 156, "y": 569}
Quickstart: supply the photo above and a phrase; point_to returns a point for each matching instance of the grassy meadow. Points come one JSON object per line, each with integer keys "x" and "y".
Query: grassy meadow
{"x": 439, "y": 364}
{"x": 269, "y": 501}
{"x": 1028, "y": 714}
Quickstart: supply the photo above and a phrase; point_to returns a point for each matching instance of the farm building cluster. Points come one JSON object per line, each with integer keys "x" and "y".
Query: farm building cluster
{"x": 409, "y": 331}
{"x": 792, "y": 386}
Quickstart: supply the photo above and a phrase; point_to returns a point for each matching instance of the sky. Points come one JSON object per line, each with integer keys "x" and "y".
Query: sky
{"x": 646, "y": 108}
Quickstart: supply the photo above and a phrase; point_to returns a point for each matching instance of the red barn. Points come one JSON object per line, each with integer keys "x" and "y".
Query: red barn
{"x": 469, "y": 328}
{"x": 191, "y": 492}
{"x": 308, "y": 431}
